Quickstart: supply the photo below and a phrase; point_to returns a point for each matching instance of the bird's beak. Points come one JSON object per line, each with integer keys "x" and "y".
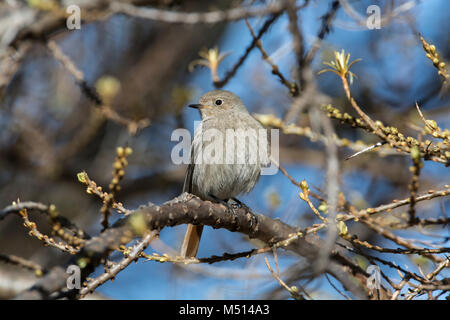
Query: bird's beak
{"x": 198, "y": 106}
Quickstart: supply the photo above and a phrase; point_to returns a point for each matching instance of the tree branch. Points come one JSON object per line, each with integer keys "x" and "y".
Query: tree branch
{"x": 188, "y": 209}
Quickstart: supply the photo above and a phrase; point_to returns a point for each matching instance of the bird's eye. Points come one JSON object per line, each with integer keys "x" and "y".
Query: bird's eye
{"x": 218, "y": 102}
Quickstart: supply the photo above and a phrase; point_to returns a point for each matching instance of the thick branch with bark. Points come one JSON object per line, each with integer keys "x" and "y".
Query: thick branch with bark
{"x": 188, "y": 209}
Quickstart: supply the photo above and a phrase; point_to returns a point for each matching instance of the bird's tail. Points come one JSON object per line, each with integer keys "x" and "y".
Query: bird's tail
{"x": 191, "y": 241}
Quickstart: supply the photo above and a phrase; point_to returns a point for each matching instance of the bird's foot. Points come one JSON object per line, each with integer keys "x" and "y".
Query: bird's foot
{"x": 241, "y": 205}
{"x": 251, "y": 215}
{"x": 231, "y": 207}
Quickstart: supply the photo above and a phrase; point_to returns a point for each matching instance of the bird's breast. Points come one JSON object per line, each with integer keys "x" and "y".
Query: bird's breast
{"x": 228, "y": 155}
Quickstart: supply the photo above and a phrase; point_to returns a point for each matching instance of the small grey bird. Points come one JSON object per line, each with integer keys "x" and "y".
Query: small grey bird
{"x": 212, "y": 177}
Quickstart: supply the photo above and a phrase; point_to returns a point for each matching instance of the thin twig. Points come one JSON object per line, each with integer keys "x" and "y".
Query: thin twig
{"x": 132, "y": 125}
{"x": 293, "y": 291}
{"x": 230, "y": 73}
{"x": 24, "y": 263}
{"x": 325, "y": 28}
{"x": 292, "y": 86}
{"x": 112, "y": 272}
{"x": 297, "y": 40}
{"x": 197, "y": 17}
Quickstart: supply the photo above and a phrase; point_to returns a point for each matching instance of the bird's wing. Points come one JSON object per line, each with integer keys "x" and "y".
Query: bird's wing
{"x": 187, "y": 186}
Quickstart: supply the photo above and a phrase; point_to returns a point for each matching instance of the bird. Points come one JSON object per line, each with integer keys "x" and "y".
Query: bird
{"x": 215, "y": 178}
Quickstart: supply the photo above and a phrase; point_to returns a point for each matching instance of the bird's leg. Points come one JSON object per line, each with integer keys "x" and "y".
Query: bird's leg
{"x": 241, "y": 204}
{"x": 230, "y": 206}
{"x": 225, "y": 203}
{"x": 246, "y": 208}
{"x": 233, "y": 207}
